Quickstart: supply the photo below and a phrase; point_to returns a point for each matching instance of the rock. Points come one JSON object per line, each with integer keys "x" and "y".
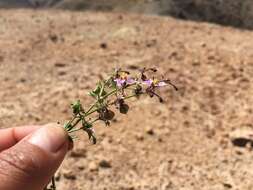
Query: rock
{"x": 78, "y": 153}
{"x": 22, "y": 80}
{"x": 227, "y": 185}
{"x": 69, "y": 175}
{"x": 53, "y": 38}
{"x": 60, "y": 65}
{"x": 105, "y": 164}
{"x": 139, "y": 137}
{"x": 132, "y": 67}
{"x": 150, "y": 131}
{"x": 81, "y": 167}
{"x": 62, "y": 73}
{"x": 103, "y": 45}
{"x": 92, "y": 166}
{"x": 242, "y": 137}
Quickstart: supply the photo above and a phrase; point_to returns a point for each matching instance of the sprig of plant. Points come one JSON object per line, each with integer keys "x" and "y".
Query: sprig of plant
{"x": 113, "y": 91}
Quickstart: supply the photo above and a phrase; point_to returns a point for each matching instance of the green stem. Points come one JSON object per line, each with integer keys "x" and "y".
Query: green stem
{"x": 75, "y": 130}
{"x": 91, "y": 107}
{"x": 73, "y": 126}
{"x": 131, "y": 96}
{"x": 102, "y": 90}
{"x": 109, "y": 94}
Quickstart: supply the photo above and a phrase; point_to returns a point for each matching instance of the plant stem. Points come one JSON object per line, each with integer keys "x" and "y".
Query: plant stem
{"x": 109, "y": 94}
{"x": 75, "y": 130}
{"x": 91, "y": 107}
{"x": 53, "y": 186}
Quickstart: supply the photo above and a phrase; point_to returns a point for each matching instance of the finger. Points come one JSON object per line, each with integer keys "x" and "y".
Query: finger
{"x": 10, "y": 136}
{"x": 31, "y": 163}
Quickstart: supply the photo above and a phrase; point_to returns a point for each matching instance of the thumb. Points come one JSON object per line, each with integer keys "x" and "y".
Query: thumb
{"x": 31, "y": 163}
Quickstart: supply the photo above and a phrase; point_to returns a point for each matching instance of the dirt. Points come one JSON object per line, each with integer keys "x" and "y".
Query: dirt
{"x": 50, "y": 58}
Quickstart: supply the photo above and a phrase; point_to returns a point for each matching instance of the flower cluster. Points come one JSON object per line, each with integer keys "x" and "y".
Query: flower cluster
{"x": 113, "y": 91}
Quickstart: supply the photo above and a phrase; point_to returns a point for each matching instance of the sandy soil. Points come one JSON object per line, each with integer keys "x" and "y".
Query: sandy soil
{"x": 50, "y": 58}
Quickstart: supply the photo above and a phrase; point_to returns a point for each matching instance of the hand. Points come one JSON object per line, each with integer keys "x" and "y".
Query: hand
{"x": 29, "y": 156}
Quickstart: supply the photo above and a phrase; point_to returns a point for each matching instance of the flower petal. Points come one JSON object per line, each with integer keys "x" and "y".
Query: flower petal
{"x": 131, "y": 81}
{"x": 161, "y": 83}
{"x": 148, "y": 82}
{"x": 120, "y": 82}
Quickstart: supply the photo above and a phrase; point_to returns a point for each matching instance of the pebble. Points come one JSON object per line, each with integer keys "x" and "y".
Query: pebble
{"x": 105, "y": 164}
{"x": 69, "y": 175}
{"x": 242, "y": 137}
{"x": 139, "y": 137}
{"x": 59, "y": 64}
{"x": 78, "y": 153}
{"x": 149, "y": 130}
{"x": 92, "y": 166}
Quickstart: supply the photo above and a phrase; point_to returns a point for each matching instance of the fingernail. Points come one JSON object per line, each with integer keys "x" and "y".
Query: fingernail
{"x": 49, "y": 138}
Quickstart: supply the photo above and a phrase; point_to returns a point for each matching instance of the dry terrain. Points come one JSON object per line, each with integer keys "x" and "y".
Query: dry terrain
{"x": 50, "y": 58}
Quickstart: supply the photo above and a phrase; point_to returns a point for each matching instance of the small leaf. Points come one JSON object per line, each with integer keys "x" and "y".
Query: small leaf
{"x": 106, "y": 115}
{"x": 97, "y": 91}
{"x": 107, "y": 123}
{"x": 77, "y": 107}
{"x": 86, "y": 124}
{"x": 67, "y": 126}
{"x": 91, "y": 134}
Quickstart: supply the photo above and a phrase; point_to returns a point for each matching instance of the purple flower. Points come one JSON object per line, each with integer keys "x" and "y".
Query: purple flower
{"x": 155, "y": 83}
{"x": 124, "y": 80}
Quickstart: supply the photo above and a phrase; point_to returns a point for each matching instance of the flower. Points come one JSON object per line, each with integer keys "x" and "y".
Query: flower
{"x": 155, "y": 82}
{"x": 122, "y": 79}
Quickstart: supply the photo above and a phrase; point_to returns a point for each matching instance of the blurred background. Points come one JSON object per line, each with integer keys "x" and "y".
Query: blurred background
{"x": 53, "y": 53}
{"x": 236, "y": 13}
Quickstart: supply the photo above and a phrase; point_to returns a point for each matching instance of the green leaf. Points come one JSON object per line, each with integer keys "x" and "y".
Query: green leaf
{"x": 86, "y": 124}
{"x": 67, "y": 126}
{"x": 97, "y": 91}
{"x": 77, "y": 107}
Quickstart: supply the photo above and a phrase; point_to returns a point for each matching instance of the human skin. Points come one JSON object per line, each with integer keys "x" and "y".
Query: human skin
{"x": 30, "y": 155}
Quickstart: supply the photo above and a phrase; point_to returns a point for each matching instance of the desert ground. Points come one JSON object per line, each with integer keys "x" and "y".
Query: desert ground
{"x": 199, "y": 139}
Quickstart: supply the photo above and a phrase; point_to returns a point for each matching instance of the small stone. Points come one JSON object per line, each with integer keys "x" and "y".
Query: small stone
{"x": 103, "y": 45}
{"x": 60, "y": 65}
{"x": 61, "y": 73}
{"x": 150, "y": 131}
{"x": 133, "y": 67}
{"x": 81, "y": 167}
{"x": 69, "y": 175}
{"x": 22, "y": 80}
{"x": 92, "y": 166}
{"x": 139, "y": 137}
{"x": 78, "y": 153}
{"x": 160, "y": 139}
{"x": 105, "y": 164}
{"x": 242, "y": 137}
{"x": 53, "y": 38}
{"x": 227, "y": 185}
